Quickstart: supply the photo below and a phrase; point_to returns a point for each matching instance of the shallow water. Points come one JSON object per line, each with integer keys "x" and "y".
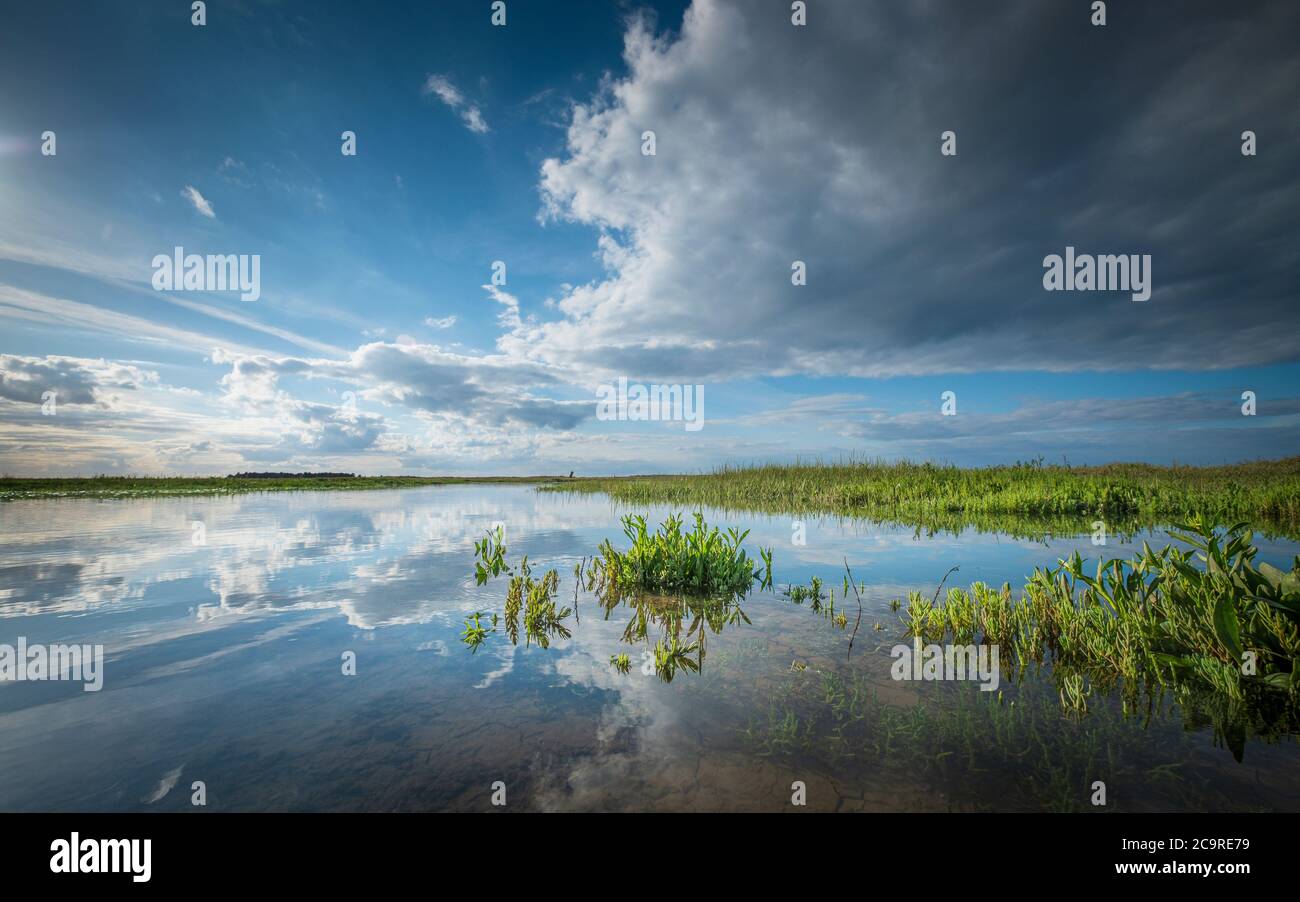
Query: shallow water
{"x": 223, "y": 664}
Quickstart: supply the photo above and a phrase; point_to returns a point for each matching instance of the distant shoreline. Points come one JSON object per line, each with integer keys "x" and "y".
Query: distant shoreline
{"x": 22, "y": 488}
{"x": 1265, "y": 492}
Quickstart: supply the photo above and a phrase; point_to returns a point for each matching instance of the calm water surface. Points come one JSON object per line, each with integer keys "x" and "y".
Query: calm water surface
{"x": 224, "y": 665}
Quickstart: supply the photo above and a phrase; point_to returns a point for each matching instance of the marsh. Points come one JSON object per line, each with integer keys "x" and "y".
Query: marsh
{"x": 224, "y": 665}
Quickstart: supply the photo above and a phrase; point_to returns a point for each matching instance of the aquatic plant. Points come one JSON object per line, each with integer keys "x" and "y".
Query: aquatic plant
{"x": 622, "y": 663}
{"x": 542, "y": 619}
{"x": 1009, "y": 751}
{"x": 1204, "y": 623}
{"x": 490, "y": 556}
{"x": 811, "y": 592}
{"x": 475, "y": 632}
{"x": 13, "y": 488}
{"x": 702, "y": 561}
{"x": 528, "y": 600}
{"x": 819, "y": 601}
{"x": 1028, "y": 498}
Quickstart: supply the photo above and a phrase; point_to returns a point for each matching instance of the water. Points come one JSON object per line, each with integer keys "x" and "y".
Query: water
{"x": 224, "y": 664}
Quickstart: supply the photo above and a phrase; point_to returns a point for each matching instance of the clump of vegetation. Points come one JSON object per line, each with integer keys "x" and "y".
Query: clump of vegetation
{"x": 475, "y": 632}
{"x": 1027, "y": 498}
{"x": 680, "y": 626}
{"x": 529, "y": 601}
{"x": 681, "y": 584}
{"x": 700, "y": 562}
{"x": 820, "y": 601}
{"x": 1205, "y": 623}
{"x": 812, "y": 593}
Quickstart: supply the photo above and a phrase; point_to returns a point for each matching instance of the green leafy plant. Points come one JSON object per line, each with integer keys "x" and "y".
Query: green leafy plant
{"x": 490, "y": 556}
{"x": 1205, "y": 623}
{"x": 475, "y": 633}
{"x": 702, "y": 561}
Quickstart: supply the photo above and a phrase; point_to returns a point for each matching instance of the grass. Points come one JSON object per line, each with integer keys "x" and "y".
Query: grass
{"x": 1025, "y": 498}
{"x": 1205, "y": 623}
{"x": 700, "y": 561}
{"x": 17, "y": 488}
{"x": 682, "y": 584}
{"x": 529, "y": 600}
{"x": 982, "y": 751}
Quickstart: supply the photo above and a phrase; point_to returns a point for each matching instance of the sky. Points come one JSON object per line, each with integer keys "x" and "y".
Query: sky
{"x": 456, "y": 295}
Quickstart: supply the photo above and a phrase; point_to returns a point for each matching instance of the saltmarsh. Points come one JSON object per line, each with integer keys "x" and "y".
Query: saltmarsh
{"x": 14, "y": 488}
{"x": 1202, "y": 622}
{"x": 1025, "y": 498}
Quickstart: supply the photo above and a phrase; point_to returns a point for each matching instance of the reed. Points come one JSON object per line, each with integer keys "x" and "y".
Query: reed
{"x": 1026, "y": 498}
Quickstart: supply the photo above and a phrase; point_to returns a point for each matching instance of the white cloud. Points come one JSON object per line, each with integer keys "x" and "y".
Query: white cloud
{"x": 440, "y": 86}
{"x": 445, "y": 322}
{"x": 75, "y": 380}
{"x": 917, "y": 263}
{"x": 190, "y": 193}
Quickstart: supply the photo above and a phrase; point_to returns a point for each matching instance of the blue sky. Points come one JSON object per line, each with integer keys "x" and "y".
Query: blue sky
{"x": 378, "y": 345}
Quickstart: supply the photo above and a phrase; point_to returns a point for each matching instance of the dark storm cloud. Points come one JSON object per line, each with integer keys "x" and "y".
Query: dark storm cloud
{"x": 822, "y": 144}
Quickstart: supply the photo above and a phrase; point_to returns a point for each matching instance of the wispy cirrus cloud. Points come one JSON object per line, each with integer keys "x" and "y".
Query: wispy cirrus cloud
{"x": 440, "y": 86}
{"x": 199, "y": 202}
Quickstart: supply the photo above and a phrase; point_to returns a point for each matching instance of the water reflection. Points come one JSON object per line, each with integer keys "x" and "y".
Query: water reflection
{"x": 223, "y": 665}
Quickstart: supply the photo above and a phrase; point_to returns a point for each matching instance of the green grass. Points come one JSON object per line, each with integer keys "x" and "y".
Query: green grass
{"x": 1204, "y": 623}
{"x": 700, "y": 561}
{"x": 15, "y": 488}
{"x": 1024, "y": 499}
{"x": 679, "y": 584}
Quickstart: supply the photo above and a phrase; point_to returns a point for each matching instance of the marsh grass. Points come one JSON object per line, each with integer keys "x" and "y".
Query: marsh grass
{"x": 702, "y": 561}
{"x": 1013, "y": 751}
{"x": 680, "y": 587}
{"x": 819, "y": 601}
{"x": 17, "y": 488}
{"x": 1203, "y": 623}
{"x": 529, "y": 601}
{"x": 1026, "y": 499}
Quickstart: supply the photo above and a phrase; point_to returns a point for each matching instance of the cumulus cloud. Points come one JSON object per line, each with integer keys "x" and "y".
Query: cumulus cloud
{"x": 74, "y": 380}
{"x": 821, "y": 144}
{"x": 487, "y": 392}
{"x": 440, "y": 86}
{"x": 199, "y": 202}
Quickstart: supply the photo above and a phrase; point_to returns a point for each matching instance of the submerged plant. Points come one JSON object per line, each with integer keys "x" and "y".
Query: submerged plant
{"x": 529, "y": 600}
{"x": 535, "y": 598}
{"x": 1206, "y": 623}
{"x": 475, "y": 632}
{"x": 819, "y": 601}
